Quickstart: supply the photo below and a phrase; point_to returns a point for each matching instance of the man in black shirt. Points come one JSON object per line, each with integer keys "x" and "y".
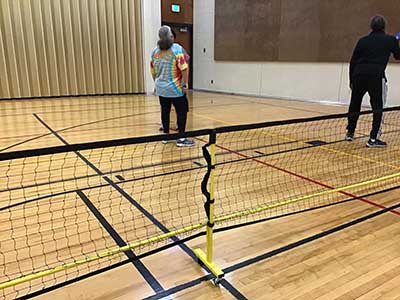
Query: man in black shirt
{"x": 367, "y": 74}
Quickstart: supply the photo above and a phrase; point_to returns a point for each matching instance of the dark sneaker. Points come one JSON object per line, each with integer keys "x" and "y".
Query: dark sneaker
{"x": 350, "y": 136}
{"x": 184, "y": 143}
{"x": 376, "y": 144}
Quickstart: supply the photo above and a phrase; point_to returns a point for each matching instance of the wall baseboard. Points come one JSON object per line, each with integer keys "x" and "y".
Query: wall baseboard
{"x": 330, "y": 102}
{"x": 70, "y": 96}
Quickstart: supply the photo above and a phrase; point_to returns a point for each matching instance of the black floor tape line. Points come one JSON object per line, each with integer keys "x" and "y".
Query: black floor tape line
{"x": 273, "y": 253}
{"x": 184, "y": 247}
{"x": 151, "y": 280}
{"x": 142, "y": 269}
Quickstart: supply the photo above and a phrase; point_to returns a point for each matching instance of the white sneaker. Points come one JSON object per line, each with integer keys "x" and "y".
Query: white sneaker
{"x": 168, "y": 141}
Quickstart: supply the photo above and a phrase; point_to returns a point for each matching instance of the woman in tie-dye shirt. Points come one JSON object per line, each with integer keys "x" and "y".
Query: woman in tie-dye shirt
{"x": 170, "y": 73}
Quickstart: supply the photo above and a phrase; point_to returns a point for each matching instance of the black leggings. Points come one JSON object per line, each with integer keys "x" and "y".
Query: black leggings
{"x": 181, "y": 107}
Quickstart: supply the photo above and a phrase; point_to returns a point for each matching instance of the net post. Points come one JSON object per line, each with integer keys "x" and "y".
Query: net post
{"x": 210, "y": 224}
{"x": 207, "y": 258}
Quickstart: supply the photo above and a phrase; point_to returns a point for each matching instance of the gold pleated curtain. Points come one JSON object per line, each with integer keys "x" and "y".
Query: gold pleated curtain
{"x": 70, "y": 47}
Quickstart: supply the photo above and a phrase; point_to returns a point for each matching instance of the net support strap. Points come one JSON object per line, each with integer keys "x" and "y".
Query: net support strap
{"x": 207, "y": 187}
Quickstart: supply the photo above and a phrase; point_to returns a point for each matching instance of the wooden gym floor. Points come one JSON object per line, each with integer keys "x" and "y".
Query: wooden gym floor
{"x": 361, "y": 261}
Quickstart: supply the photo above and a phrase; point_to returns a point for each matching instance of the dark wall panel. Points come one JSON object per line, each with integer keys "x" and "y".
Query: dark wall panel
{"x": 185, "y": 16}
{"x": 296, "y": 30}
{"x": 343, "y": 22}
{"x": 297, "y": 37}
{"x": 247, "y": 29}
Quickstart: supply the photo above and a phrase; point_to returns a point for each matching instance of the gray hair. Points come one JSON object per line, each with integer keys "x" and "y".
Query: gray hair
{"x": 166, "y": 38}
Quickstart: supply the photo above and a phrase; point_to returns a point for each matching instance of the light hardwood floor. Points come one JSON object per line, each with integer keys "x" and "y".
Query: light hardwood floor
{"x": 358, "y": 262}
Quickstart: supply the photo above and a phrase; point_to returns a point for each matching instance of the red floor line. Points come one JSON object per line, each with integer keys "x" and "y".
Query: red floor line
{"x": 308, "y": 179}
{"x": 302, "y": 177}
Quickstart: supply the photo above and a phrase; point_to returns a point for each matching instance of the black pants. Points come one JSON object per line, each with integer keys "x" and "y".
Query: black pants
{"x": 181, "y": 108}
{"x": 374, "y": 86}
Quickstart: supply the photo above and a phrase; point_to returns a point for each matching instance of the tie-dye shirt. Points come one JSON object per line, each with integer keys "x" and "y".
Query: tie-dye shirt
{"x": 166, "y": 67}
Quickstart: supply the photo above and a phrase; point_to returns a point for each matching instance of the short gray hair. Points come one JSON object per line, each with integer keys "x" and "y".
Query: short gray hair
{"x": 166, "y": 38}
{"x": 165, "y": 32}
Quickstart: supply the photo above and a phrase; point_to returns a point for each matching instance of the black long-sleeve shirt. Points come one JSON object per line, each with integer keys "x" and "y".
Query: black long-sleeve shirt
{"x": 371, "y": 55}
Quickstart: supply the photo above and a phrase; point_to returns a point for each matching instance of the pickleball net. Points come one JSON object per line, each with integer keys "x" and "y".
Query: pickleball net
{"x": 267, "y": 171}
{"x": 61, "y": 208}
